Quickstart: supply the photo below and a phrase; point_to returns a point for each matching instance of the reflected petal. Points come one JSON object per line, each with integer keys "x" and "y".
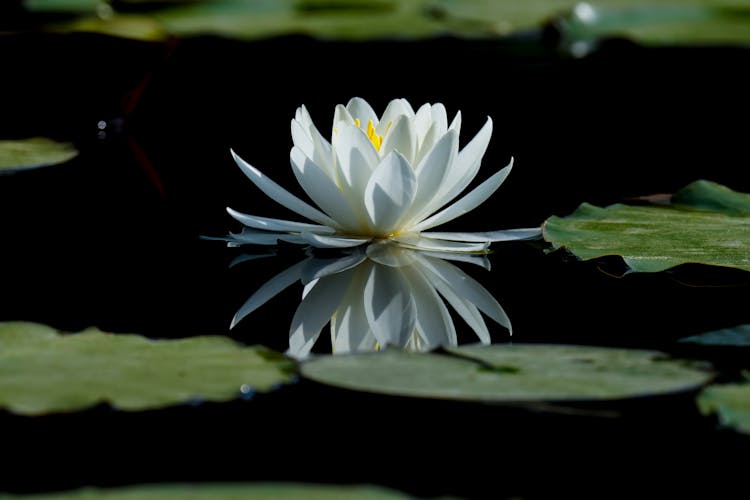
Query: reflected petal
{"x": 272, "y": 288}
{"x": 389, "y": 306}
{"x": 501, "y": 235}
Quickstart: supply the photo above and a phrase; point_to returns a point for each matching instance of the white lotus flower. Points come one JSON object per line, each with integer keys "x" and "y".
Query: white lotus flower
{"x": 379, "y": 295}
{"x": 379, "y": 178}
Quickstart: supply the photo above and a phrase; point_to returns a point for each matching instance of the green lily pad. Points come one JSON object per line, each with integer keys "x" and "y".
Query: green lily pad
{"x": 44, "y": 371}
{"x": 738, "y": 336}
{"x": 687, "y": 21}
{"x": 731, "y": 402}
{"x": 510, "y": 373}
{"x": 22, "y": 154}
{"x": 219, "y": 491}
{"x": 706, "y": 224}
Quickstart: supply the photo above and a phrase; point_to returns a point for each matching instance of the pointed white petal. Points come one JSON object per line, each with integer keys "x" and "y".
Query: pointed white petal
{"x": 253, "y": 237}
{"x": 468, "y": 203}
{"x": 301, "y": 138}
{"x": 389, "y": 306}
{"x": 480, "y": 260}
{"x": 317, "y": 268}
{"x": 321, "y": 189}
{"x": 359, "y": 108}
{"x": 500, "y": 235}
{"x": 390, "y": 193}
{"x": 402, "y": 138}
{"x": 357, "y": 158}
{"x": 439, "y": 118}
{"x": 456, "y": 123}
{"x": 395, "y": 109}
{"x": 417, "y": 242}
{"x": 349, "y": 326}
{"x": 341, "y": 116}
{"x": 268, "y": 224}
{"x": 423, "y": 120}
{"x": 468, "y": 288}
{"x": 430, "y": 174}
{"x": 241, "y": 259}
{"x": 434, "y": 322}
{"x": 315, "y": 311}
{"x": 269, "y": 290}
{"x": 281, "y": 195}
{"x": 321, "y": 241}
{"x": 468, "y": 311}
{"x": 466, "y": 166}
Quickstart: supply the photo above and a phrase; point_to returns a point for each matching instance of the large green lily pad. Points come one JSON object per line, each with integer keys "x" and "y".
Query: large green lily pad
{"x": 510, "y": 373}
{"x": 43, "y": 371}
{"x": 259, "y": 491}
{"x": 706, "y": 223}
{"x": 22, "y": 154}
{"x": 737, "y": 336}
{"x": 688, "y": 21}
{"x": 731, "y": 402}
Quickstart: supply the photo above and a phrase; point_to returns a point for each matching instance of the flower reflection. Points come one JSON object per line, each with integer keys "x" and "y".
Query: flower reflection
{"x": 382, "y": 294}
{"x": 390, "y": 177}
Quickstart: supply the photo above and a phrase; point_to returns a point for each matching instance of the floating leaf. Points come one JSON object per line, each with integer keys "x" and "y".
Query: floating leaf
{"x": 706, "y": 224}
{"x": 691, "y": 21}
{"x": 43, "y": 371}
{"x": 731, "y": 402}
{"x": 508, "y": 373}
{"x": 738, "y": 336}
{"x": 219, "y": 491}
{"x": 21, "y": 154}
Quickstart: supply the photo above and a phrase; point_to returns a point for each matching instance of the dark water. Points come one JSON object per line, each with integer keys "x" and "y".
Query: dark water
{"x": 111, "y": 239}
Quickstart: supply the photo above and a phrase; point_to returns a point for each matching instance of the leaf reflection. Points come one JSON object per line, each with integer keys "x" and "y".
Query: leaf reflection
{"x": 379, "y": 295}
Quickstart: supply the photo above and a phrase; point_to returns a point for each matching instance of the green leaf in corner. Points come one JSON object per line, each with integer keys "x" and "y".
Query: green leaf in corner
{"x": 22, "y": 154}
{"x": 706, "y": 224}
{"x": 510, "y": 373}
{"x": 730, "y": 402}
{"x": 44, "y": 371}
{"x": 218, "y": 491}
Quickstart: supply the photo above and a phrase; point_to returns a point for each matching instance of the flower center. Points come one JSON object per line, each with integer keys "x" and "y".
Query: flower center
{"x": 375, "y": 138}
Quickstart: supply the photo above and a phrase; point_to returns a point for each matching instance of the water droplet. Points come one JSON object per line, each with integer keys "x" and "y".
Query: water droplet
{"x": 101, "y": 125}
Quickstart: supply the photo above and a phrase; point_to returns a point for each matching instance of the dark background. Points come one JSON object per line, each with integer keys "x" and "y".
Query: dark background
{"x": 111, "y": 239}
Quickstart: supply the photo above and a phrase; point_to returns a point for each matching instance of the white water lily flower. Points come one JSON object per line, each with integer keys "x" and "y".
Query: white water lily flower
{"x": 387, "y": 177}
{"x": 379, "y": 295}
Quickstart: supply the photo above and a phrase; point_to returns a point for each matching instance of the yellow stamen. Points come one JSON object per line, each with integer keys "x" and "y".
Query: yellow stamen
{"x": 375, "y": 138}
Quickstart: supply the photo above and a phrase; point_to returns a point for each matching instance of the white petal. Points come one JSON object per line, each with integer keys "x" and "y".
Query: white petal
{"x": 387, "y": 253}
{"x": 253, "y": 237}
{"x": 321, "y": 189}
{"x": 357, "y": 158}
{"x": 281, "y": 195}
{"x": 402, "y": 138}
{"x": 321, "y": 241}
{"x": 501, "y": 235}
{"x": 423, "y": 121}
{"x": 468, "y": 203}
{"x": 466, "y": 166}
{"x": 389, "y": 306}
{"x": 341, "y": 116}
{"x": 268, "y": 224}
{"x": 350, "y": 329}
{"x": 359, "y": 108}
{"x": 390, "y": 193}
{"x": 245, "y": 257}
{"x": 315, "y": 311}
{"x": 480, "y": 260}
{"x": 395, "y": 109}
{"x": 430, "y": 174}
{"x": 467, "y": 288}
{"x": 439, "y": 118}
{"x": 434, "y": 322}
{"x": 456, "y": 123}
{"x": 417, "y": 242}
{"x": 301, "y": 138}
{"x": 269, "y": 290}
{"x": 468, "y": 311}
{"x": 317, "y": 268}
